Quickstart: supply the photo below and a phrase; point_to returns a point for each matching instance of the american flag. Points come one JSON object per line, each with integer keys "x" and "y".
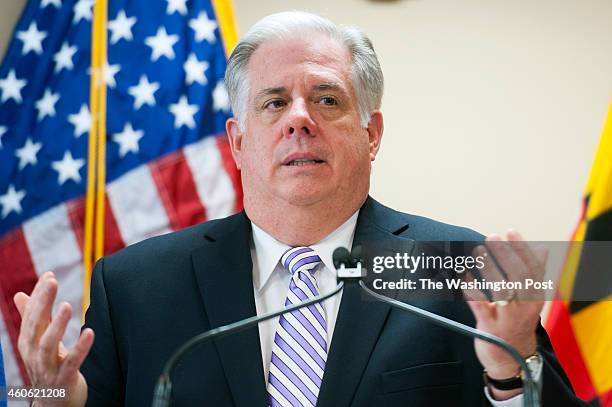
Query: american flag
{"x": 2, "y": 381}
{"x": 168, "y": 162}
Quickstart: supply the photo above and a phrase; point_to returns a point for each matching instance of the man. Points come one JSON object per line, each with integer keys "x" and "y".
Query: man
{"x": 306, "y": 96}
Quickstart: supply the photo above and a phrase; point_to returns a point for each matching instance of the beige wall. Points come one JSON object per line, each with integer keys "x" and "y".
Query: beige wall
{"x": 493, "y": 108}
{"x": 9, "y": 13}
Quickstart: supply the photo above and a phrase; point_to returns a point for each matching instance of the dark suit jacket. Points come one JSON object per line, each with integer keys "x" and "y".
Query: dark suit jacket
{"x": 149, "y": 298}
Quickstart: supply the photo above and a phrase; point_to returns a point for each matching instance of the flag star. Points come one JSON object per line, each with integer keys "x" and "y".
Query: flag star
{"x": 220, "y": 98}
{"x": 11, "y": 87}
{"x": 82, "y": 10}
{"x": 68, "y": 168}
{"x": 121, "y": 27}
{"x": 203, "y": 27}
{"x": 55, "y": 3}
{"x": 63, "y": 58}
{"x": 161, "y": 44}
{"x": 128, "y": 140}
{"x": 81, "y": 121}
{"x": 27, "y": 153}
{"x": 46, "y": 105}
{"x": 11, "y": 201}
{"x": 183, "y": 113}
{"x": 109, "y": 72}
{"x": 3, "y": 130}
{"x": 195, "y": 70}
{"x": 143, "y": 92}
{"x": 177, "y": 5}
{"x": 32, "y": 39}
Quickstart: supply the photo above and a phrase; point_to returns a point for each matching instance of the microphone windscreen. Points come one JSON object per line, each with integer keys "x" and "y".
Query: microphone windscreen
{"x": 341, "y": 256}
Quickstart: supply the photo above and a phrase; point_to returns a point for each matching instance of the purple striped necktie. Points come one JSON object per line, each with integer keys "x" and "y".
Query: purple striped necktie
{"x": 299, "y": 351}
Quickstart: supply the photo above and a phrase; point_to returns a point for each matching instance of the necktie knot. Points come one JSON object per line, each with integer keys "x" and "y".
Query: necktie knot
{"x": 300, "y": 258}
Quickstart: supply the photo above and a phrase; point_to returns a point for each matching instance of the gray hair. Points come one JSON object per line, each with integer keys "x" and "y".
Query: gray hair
{"x": 366, "y": 74}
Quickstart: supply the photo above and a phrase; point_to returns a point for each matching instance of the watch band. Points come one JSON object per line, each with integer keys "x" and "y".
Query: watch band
{"x": 512, "y": 383}
{"x": 534, "y": 363}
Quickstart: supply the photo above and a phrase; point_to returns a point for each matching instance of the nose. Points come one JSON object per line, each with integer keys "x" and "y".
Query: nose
{"x": 298, "y": 121}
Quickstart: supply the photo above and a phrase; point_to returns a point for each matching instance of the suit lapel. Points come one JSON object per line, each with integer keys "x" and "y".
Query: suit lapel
{"x": 223, "y": 271}
{"x": 359, "y": 321}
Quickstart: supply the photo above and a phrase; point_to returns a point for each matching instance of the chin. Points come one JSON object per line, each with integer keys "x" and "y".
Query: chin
{"x": 301, "y": 197}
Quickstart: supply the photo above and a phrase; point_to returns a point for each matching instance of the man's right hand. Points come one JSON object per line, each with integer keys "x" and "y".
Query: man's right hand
{"x": 47, "y": 361}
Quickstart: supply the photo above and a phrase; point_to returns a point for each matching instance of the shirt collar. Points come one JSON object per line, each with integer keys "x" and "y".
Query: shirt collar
{"x": 268, "y": 250}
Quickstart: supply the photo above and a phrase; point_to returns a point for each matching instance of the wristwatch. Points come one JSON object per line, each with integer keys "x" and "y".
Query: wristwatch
{"x": 534, "y": 363}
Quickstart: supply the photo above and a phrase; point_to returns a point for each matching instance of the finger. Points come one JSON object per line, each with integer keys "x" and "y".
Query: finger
{"x": 50, "y": 340}
{"x": 35, "y": 292}
{"x": 76, "y": 356}
{"x": 21, "y": 300}
{"x": 507, "y": 260}
{"x": 492, "y": 272}
{"x": 525, "y": 252}
{"x": 38, "y": 310}
{"x": 542, "y": 253}
{"x": 473, "y": 294}
{"x": 483, "y": 312}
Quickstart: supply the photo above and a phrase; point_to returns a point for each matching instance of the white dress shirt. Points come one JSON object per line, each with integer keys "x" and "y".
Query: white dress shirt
{"x": 271, "y": 285}
{"x": 271, "y": 280}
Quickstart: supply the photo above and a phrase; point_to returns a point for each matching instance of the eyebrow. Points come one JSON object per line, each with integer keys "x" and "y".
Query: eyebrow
{"x": 329, "y": 86}
{"x": 270, "y": 91}
{"x": 278, "y": 90}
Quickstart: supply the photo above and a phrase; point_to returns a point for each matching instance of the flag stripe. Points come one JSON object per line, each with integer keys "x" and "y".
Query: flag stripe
{"x": 566, "y": 347}
{"x": 213, "y": 185}
{"x": 22, "y": 277}
{"x": 112, "y": 237}
{"x": 11, "y": 366}
{"x": 137, "y": 206}
{"x": 178, "y": 191}
{"x": 592, "y": 329}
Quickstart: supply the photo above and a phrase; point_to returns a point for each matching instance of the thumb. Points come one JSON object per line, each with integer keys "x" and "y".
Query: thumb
{"x": 21, "y": 299}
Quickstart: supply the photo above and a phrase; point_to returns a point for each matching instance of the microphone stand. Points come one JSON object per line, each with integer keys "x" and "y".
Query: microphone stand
{"x": 163, "y": 389}
{"x": 349, "y": 269}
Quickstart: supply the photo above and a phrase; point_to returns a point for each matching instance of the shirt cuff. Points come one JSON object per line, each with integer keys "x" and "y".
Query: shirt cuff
{"x": 516, "y": 401}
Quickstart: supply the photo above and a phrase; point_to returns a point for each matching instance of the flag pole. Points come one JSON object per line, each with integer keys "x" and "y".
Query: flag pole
{"x": 93, "y": 240}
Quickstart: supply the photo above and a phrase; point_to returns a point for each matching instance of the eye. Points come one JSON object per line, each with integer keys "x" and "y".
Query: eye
{"x": 274, "y": 104}
{"x": 328, "y": 101}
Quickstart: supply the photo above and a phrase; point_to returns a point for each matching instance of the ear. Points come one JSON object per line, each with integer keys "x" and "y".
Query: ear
{"x": 375, "y": 131}
{"x": 235, "y": 139}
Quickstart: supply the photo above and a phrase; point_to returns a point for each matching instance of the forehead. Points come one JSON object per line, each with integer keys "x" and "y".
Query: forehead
{"x": 287, "y": 63}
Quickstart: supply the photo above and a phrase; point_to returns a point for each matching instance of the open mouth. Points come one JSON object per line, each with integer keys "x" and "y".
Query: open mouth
{"x": 301, "y": 162}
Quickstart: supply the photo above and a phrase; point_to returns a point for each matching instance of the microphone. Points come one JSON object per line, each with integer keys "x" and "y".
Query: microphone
{"x": 350, "y": 264}
{"x": 162, "y": 395}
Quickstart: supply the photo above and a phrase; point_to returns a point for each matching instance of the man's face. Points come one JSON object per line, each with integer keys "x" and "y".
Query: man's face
{"x": 303, "y": 142}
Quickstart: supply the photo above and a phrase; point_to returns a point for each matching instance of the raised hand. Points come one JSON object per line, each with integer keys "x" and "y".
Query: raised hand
{"x": 515, "y": 319}
{"x": 48, "y": 363}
